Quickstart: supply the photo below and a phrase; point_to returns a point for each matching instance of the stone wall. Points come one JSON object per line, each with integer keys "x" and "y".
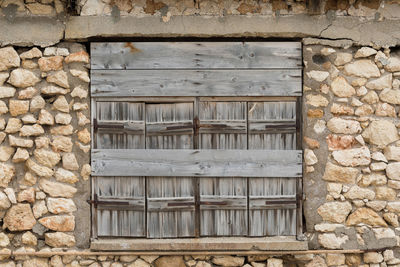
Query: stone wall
{"x": 166, "y": 8}
{"x": 351, "y": 142}
{"x": 50, "y": 8}
{"x": 44, "y": 147}
{"x": 352, "y": 147}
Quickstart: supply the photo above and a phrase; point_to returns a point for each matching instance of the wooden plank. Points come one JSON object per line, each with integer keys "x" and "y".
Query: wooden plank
{"x": 120, "y": 221}
{"x": 272, "y": 125}
{"x": 136, "y": 127}
{"x": 133, "y": 83}
{"x": 187, "y": 162}
{"x": 267, "y": 219}
{"x": 223, "y": 125}
{"x": 195, "y": 55}
{"x": 171, "y": 211}
{"x": 246, "y": 98}
{"x": 121, "y": 125}
{"x": 241, "y": 246}
{"x": 223, "y": 206}
{"x": 223, "y": 201}
{"x": 169, "y": 126}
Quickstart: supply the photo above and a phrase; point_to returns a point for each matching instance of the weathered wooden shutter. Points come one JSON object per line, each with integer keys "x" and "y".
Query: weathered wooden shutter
{"x": 119, "y": 125}
{"x": 201, "y": 136}
{"x": 170, "y": 201}
{"x": 273, "y": 200}
{"x": 223, "y": 200}
{"x": 120, "y": 206}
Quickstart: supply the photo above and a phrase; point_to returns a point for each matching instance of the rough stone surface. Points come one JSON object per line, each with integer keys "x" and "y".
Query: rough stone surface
{"x": 59, "y": 239}
{"x": 38, "y": 169}
{"x": 356, "y": 192}
{"x": 366, "y": 216}
{"x": 65, "y": 176}
{"x": 51, "y": 63}
{"x": 362, "y": 68}
{"x": 335, "y": 173}
{"x": 331, "y": 241}
{"x": 393, "y": 171}
{"x": 353, "y": 157}
{"x": 170, "y": 260}
{"x": 60, "y": 205}
{"x": 342, "y": 126}
{"x": 18, "y": 107}
{"x": 9, "y": 58}
{"x": 56, "y": 189}
{"x": 7, "y": 172}
{"x": 19, "y": 217}
{"x": 381, "y": 133}
{"x": 228, "y": 261}
{"x": 390, "y": 96}
{"x": 23, "y": 78}
{"x": 62, "y": 223}
{"x": 317, "y": 100}
{"x": 341, "y": 88}
{"x": 69, "y": 162}
{"x": 381, "y": 83}
{"x": 59, "y": 78}
{"x": 335, "y": 212}
{"x": 7, "y": 91}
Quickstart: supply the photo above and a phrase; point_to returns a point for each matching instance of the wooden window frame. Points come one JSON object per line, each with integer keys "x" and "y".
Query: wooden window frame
{"x": 292, "y": 92}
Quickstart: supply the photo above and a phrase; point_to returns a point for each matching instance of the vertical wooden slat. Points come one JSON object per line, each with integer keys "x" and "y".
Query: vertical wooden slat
{"x": 222, "y": 111}
{"x": 266, "y": 221}
{"x": 168, "y": 113}
{"x": 299, "y": 146}
{"x": 273, "y": 138}
{"x": 196, "y": 122}
{"x": 177, "y": 218}
{"x": 110, "y": 138}
{"x": 174, "y": 221}
{"x": 127, "y": 220}
{"x": 223, "y": 201}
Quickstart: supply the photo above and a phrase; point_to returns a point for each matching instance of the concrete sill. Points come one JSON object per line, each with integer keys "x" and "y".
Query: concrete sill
{"x": 279, "y": 243}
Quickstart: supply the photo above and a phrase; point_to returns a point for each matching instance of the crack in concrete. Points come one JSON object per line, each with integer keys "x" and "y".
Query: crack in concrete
{"x": 48, "y": 31}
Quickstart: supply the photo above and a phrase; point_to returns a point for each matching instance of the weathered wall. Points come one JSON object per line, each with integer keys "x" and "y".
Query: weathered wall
{"x": 166, "y": 8}
{"x": 350, "y": 109}
{"x": 44, "y": 151}
{"x": 351, "y": 99}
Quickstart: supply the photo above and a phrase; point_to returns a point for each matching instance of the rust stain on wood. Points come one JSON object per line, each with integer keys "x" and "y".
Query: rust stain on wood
{"x": 131, "y": 47}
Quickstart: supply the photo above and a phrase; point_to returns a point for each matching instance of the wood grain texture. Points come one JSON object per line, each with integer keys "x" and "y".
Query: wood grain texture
{"x": 110, "y": 116}
{"x": 169, "y": 126}
{"x": 170, "y": 203}
{"x": 207, "y": 163}
{"x": 128, "y": 221}
{"x": 241, "y": 179}
{"x": 133, "y": 83}
{"x": 223, "y": 125}
{"x": 272, "y": 125}
{"x": 195, "y": 55}
{"x": 268, "y": 220}
{"x": 223, "y": 201}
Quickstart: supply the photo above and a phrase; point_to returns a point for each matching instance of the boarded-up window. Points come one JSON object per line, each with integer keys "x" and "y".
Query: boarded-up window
{"x": 196, "y": 139}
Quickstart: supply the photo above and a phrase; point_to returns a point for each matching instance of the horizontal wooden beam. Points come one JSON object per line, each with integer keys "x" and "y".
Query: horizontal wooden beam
{"x": 210, "y": 245}
{"x": 207, "y": 163}
{"x": 196, "y": 55}
{"x": 134, "y": 83}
